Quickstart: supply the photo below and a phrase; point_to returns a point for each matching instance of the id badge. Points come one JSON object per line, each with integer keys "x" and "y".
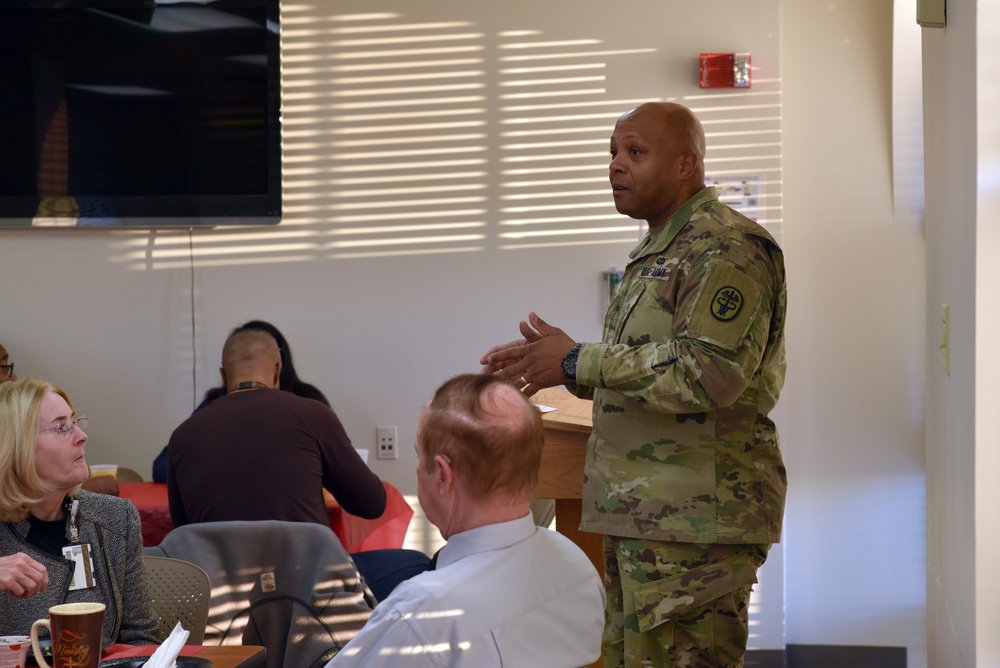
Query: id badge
{"x": 83, "y": 566}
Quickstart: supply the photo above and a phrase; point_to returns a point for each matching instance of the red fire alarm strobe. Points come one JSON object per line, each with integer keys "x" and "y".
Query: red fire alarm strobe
{"x": 725, "y": 70}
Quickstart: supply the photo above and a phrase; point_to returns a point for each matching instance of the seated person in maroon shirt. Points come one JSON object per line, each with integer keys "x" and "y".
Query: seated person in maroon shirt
{"x": 290, "y": 382}
{"x": 260, "y": 453}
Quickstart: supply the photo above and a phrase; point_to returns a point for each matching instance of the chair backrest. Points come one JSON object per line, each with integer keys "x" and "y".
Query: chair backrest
{"x": 289, "y": 586}
{"x": 181, "y": 592}
{"x": 126, "y": 474}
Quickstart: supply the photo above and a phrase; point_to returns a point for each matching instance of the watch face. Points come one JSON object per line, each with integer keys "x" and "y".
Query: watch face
{"x": 569, "y": 363}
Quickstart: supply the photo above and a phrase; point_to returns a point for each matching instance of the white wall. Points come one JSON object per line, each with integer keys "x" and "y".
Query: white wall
{"x": 377, "y": 320}
{"x": 963, "y": 193}
{"x": 853, "y": 399}
{"x": 950, "y": 150}
{"x": 987, "y": 382}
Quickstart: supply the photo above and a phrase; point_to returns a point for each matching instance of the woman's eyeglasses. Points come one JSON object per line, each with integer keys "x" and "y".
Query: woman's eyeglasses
{"x": 65, "y": 428}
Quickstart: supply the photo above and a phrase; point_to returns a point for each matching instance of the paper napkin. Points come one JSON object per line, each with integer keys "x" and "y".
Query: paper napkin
{"x": 165, "y": 655}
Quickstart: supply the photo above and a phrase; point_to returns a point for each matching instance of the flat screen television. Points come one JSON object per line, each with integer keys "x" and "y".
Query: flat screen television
{"x": 139, "y": 113}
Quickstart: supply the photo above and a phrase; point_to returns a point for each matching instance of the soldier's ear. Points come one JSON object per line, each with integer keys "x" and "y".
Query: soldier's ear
{"x": 687, "y": 164}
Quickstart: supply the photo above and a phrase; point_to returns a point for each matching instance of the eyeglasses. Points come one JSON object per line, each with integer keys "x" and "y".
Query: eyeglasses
{"x": 8, "y": 369}
{"x": 65, "y": 428}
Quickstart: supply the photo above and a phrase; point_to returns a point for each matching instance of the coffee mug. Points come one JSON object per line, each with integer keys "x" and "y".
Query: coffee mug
{"x": 77, "y": 631}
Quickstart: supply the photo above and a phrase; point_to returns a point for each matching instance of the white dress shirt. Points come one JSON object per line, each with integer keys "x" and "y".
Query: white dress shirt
{"x": 508, "y": 594}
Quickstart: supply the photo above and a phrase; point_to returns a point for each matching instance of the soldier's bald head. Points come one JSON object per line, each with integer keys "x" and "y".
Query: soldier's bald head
{"x": 677, "y": 123}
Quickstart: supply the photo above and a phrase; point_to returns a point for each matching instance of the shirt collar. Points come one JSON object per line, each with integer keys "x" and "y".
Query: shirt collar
{"x": 486, "y": 538}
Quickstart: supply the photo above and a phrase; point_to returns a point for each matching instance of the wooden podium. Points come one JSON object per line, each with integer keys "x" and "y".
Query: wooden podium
{"x": 567, "y": 429}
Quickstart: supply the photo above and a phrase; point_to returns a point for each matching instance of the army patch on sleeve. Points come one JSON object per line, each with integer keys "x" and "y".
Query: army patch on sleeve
{"x": 725, "y": 306}
{"x": 726, "y": 303}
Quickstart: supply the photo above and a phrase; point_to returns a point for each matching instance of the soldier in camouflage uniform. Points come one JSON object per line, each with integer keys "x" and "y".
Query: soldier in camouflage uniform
{"x": 683, "y": 476}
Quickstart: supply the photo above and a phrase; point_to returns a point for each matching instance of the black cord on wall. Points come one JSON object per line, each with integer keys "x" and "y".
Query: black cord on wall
{"x": 194, "y": 348}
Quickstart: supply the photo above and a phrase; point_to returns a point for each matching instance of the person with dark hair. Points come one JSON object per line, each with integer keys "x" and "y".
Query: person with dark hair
{"x": 278, "y": 450}
{"x": 381, "y": 569}
{"x": 289, "y": 382}
{"x": 58, "y": 543}
{"x": 6, "y": 366}
{"x": 502, "y": 591}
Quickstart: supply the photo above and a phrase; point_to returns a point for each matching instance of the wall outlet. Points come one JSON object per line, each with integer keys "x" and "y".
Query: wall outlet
{"x": 386, "y": 443}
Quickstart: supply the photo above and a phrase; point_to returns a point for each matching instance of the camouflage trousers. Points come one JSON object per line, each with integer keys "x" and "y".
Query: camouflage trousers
{"x": 677, "y": 605}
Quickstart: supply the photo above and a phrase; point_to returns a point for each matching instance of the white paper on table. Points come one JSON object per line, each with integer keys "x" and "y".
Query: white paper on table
{"x": 166, "y": 654}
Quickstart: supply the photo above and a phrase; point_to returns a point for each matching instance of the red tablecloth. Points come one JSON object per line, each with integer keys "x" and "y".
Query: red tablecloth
{"x": 222, "y": 656}
{"x": 122, "y": 650}
{"x": 355, "y": 533}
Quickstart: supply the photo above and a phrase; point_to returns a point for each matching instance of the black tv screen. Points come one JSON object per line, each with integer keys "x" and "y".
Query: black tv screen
{"x": 139, "y": 113}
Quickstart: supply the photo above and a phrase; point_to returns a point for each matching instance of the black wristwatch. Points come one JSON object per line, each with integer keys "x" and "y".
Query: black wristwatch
{"x": 569, "y": 362}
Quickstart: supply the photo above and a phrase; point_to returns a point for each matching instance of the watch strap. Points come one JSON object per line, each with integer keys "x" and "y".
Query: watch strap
{"x": 569, "y": 362}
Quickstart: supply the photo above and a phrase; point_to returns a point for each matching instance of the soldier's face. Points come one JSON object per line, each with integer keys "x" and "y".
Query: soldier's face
{"x": 646, "y": 168}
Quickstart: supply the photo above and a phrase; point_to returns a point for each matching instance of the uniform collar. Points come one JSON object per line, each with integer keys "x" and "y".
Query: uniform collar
{"x": 656, "y": 241}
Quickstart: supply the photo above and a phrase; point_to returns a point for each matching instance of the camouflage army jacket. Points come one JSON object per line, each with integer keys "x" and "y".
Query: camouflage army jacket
{"x": 692, "y": 362}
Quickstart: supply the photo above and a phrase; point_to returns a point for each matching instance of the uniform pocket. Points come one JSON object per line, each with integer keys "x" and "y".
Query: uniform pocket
{"x": 663, "y": 600}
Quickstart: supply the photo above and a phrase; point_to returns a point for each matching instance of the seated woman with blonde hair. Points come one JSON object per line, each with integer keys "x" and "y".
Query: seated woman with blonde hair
{"x": 59, "y": 544}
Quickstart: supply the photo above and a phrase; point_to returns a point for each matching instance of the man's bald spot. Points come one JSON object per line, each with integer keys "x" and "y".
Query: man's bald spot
{"x": 503, "y": 404}
{"x": 491, "y": 432}
{"x": 470, "y": 405}
{"x": 498, "y": 404}
{"x": 249, "y": 348}
{"x": 679, "y": 123}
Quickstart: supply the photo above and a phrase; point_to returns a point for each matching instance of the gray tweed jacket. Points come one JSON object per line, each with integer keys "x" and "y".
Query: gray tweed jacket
{"x": 111, "y": 526}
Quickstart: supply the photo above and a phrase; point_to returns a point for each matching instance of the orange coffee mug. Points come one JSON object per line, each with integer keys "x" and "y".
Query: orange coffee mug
{"x": 77, "y": 631}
